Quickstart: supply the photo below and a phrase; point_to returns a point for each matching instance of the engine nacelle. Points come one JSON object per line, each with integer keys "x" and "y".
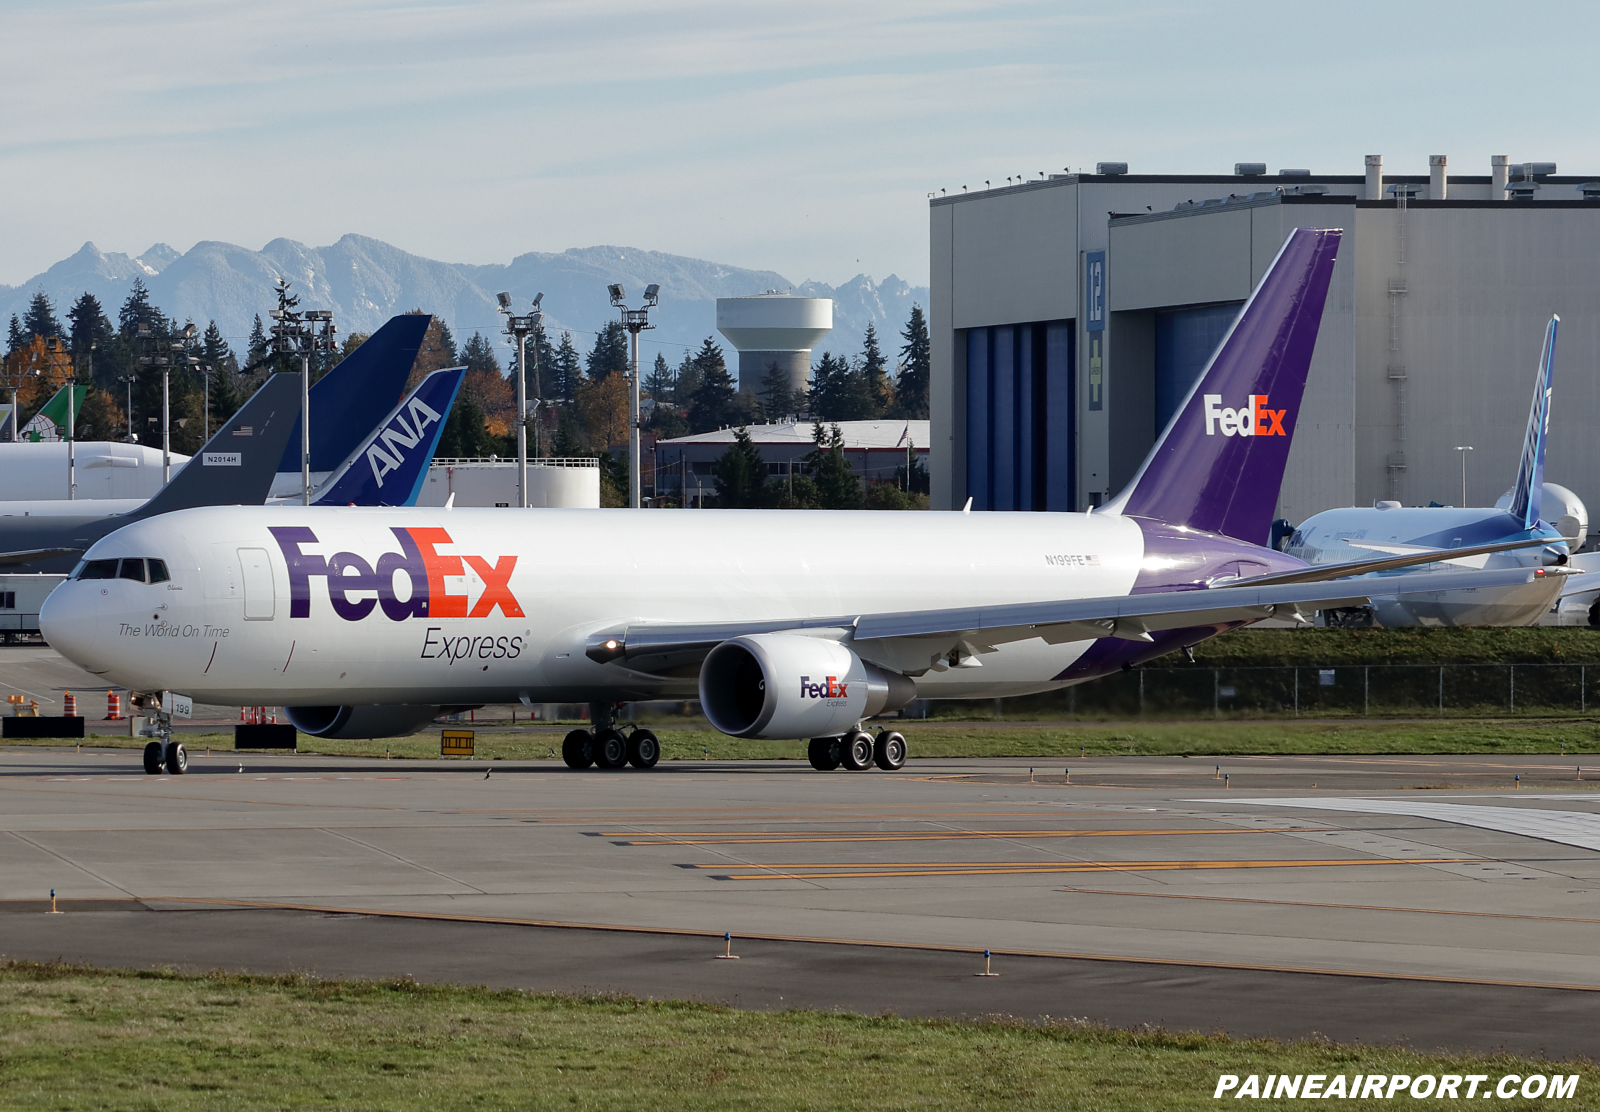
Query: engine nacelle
{"x": 780, "y": 686}
{"x": 361, "y": 722}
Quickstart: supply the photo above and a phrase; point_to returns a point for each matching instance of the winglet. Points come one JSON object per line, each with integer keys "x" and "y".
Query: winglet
{"x": 389, "y": 467}
{"x": 1528, "y": 493}
{"x": 237, "y": 465}
{"x": 1219, "y": 463}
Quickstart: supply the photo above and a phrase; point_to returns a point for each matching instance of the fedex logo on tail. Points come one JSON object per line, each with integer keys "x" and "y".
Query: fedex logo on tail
{"x": 1254, "y": 419}
{"x": 419, "y": 560}
{"x": 829, "y": 688}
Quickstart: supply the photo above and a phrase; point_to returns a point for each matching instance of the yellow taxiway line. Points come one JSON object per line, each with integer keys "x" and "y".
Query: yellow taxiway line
{"x": 1002, "y": 868}
{"x": 762, "y": 837}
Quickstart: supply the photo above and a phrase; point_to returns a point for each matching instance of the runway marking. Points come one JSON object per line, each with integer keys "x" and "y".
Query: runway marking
{"x": 931, "y": 947}
{"x": 756, "y": 838}
{"x": 1001, "y": 869}
{"x": 1345, "y": 907}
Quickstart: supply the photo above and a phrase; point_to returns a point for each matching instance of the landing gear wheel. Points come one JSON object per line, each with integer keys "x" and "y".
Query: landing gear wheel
{"x": 855, "y": 751}
{"x": 577, "y": 749}
{"x": 824, "y": 753}
{"x": 889, "y": 751}
{"x": 610, "y": 749}
{"x": 153, "y": 758}
{"x": 644, "y": 750}
{"x": 177, "y": 758}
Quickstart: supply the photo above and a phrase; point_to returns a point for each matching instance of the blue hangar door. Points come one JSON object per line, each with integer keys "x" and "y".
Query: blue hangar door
{"x": 1021, "y": 443}
{"x": 1186, "y": 339}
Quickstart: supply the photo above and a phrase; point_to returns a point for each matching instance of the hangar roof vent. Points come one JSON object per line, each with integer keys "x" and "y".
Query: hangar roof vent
{"x": 1590, "y": 190}
{"x": 1294, "y": 173}
{"x": 1526, "y": 171}
{"x": 1111, "y": 169}
{"x": 1249, "y": 169}
{"x": 1522, "y": 190}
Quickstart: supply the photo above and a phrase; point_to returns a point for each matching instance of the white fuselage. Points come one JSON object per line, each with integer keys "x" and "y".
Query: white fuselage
{"x": 222, "y": 630}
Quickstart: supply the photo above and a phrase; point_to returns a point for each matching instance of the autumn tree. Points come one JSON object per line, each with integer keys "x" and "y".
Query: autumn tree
{"x": 602, "y": 407}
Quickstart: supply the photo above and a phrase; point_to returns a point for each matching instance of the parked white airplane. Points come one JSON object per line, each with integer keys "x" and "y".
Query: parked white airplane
{"x": 785, "y": 624}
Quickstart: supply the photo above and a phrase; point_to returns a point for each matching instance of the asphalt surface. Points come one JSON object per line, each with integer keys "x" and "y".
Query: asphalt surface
{"x": 1358, "y": 898}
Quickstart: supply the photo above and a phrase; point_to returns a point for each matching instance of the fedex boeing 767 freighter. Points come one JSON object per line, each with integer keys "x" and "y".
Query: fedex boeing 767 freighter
{"x": 793, "y": 625}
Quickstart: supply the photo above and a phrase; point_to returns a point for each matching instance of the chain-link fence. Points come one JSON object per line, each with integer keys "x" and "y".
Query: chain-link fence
{"x": 1375, "y": 690}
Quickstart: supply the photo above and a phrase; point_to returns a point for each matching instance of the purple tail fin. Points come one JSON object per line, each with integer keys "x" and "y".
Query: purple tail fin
{"x": 1218, "y": 465}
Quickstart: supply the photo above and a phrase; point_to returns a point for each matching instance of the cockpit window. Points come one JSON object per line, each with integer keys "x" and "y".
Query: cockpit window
{"x": 98, "y": 569}
{"x": 158, "y": 571}
{"x": 132, "y": 569}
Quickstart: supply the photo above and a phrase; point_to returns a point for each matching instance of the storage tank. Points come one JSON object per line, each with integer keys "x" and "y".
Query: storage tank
{"x": 552, "y": 483}
{"x": 774, "y": 327}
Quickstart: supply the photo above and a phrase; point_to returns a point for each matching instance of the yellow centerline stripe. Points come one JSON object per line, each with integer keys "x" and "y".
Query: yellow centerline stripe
{"x": 1097, "y": 867}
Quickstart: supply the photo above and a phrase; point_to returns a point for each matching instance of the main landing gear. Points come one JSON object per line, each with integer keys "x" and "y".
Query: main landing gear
{"x": 858, "y": 751}
{"x": 608, "y": 746}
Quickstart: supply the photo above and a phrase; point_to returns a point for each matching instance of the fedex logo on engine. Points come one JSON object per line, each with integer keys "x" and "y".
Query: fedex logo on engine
{"x": 419, "y": 561}
{"x": 829, "y": 688}
{"x": 1254, "y": 419}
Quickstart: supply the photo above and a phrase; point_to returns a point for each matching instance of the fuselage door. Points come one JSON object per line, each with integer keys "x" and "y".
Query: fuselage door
{"x": 255, "y": 572}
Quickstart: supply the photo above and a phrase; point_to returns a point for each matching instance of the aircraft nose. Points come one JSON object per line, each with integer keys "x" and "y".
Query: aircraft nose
{"x": 69, "y": 620}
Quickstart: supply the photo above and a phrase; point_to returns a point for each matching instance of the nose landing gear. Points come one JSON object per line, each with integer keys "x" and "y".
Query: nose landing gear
{"x": 164, "y": 754}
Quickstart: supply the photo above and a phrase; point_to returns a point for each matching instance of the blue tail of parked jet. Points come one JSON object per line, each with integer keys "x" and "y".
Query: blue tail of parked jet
{"x": 1529, "y": 489}
{"x": 389, "y": 467}
{"x": 354, "y": 396}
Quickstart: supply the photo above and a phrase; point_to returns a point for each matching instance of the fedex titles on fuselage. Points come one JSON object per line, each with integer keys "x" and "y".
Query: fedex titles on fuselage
{"x": 398, "y": 436}
{"x": 1254, "y": 419}
{"x": 426, "y": 568}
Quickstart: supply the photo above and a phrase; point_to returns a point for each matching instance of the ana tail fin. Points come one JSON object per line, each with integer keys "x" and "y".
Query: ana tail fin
{"x": 237, "y": 465}
{"x": 1219, "y": 463}
{"x": 389, "y": 467}
{"x": 1528, "y": 493}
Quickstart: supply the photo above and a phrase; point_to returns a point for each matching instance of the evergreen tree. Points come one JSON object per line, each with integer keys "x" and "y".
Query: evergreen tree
{"x": 610, "y": 351}
{"x": 777, "y": 401}
{"x": 839, "y": 392}
{"x": 137, "y": 310}
{"x": 541, "y": 364}
{"x": 465, "y": 434}
{"x": 91, "y": 336}
{"x": 712, "y": 405}
{"x": 741, "y": 474}
{"x": 565, "y": 370}
{"x": 911, "y": 391}
{"x": 223, "y": 371}
{"x": 686, "y": 381}
{"x": 447, "y": 345}
{"x": 14, "y": 340}
{"x": 258, "y": 349}
{"x": 478, "y": 355}
{"x": 40, "y": 319}
{"x": 837, "y": 485}
{"x": 879, "y": 390}
{"x": 658, "y": 383}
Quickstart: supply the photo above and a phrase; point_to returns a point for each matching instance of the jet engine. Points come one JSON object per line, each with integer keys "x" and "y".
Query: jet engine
{"x": 776, "y": 685}
{"x": 369, "y": 721}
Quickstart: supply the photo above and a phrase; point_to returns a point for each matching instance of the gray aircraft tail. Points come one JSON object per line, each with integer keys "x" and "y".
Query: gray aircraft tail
{"x": 237, "y": 465}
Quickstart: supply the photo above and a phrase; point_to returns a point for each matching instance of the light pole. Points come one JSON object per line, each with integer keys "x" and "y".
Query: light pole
{"x": 1463, "y": 449}
{"x": 519, "y": 327}
{"x": 179, "y": 349}
{"x": 298, "y": 334}
{"x": 128, "y": 380}
{"x": 635, "y": 321}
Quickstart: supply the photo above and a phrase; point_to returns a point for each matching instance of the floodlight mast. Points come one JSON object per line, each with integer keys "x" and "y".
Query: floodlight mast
{"x": 298, "y": 334}
{"x": 635, "y": 321}
{"x": 519, "y": 327}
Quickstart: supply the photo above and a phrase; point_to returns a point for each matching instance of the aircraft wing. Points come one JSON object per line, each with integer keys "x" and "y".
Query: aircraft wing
{"x": 1321, "y": 573}
{"x": 28, "y": 555}
{"x": 913, "y": 640}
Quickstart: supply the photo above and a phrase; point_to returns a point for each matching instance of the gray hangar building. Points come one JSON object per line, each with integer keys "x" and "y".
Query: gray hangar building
{"x": 1071, "y": 315}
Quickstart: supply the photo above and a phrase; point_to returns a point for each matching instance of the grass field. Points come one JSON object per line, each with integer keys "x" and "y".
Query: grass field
{"x": 1328, "y": 648}
{"x": 692, "y": 740}
{"x": 73, "y": 1038}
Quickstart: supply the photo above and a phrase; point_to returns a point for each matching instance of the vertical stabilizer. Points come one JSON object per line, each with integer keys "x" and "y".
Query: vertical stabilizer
{"x": 1528, "y": 492}
{"x": 1219, "y": 463}
{"x": 237, "y": 465}
{"x": 391, "y": 464}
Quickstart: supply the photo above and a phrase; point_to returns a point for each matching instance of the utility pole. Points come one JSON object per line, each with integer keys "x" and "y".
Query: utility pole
{"x": 635, "y": 321}
{"x": 1464, "y": 449}
{"x": 518, "y": 328}
{"x": 298, "y": 334}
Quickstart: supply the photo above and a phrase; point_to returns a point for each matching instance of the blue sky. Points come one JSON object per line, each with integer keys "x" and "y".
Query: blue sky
{"x": 801, "y": 137}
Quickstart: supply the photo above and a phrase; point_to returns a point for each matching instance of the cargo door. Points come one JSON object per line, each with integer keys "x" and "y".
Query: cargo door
{"x": 255, "y": 575}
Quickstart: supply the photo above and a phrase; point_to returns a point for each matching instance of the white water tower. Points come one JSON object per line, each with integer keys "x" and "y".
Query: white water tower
{"x": 774, "y": 327}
